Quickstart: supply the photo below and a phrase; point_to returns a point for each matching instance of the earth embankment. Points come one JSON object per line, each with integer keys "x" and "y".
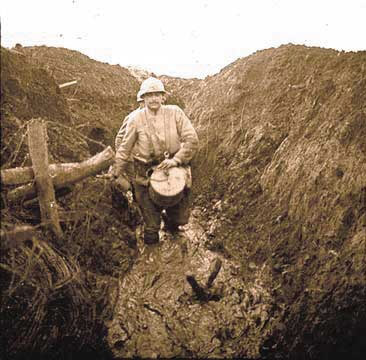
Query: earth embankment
{"x": 283, "y": 164}
{"x": 279, "y": 181}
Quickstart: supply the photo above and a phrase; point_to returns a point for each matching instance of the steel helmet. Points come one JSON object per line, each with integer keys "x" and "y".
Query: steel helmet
{"x": 138, "y": 97}
{"x": 151, "y": 85}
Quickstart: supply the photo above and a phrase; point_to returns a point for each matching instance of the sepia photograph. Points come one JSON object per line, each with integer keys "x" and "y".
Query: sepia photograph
{"x": 183, "y": 180}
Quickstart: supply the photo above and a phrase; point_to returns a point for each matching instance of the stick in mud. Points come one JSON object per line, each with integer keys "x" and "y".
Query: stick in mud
{"x": 215, "y": 268}
{"x": 201, "y": 292}
{"x": 196, "y": 287}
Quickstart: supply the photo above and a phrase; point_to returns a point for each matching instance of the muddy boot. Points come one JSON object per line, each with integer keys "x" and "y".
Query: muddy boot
{"x": 169, "y": 226}
{"x": 132, "y": 242}
{"x": 164, "y": 217}
{"x": 151, "y": 238}
{"x": 172, "y": 228}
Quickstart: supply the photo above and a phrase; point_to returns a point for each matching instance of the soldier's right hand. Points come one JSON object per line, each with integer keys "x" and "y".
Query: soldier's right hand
{"x": 123, "y": 183}
{"x": 116, "y": 171}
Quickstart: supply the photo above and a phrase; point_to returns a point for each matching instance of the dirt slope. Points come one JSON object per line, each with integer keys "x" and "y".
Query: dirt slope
{"x": 29, "y": 89}
{"x": 283, "y": 165}
{"x": 65, "y": 286}
{"x": 103, "y": 96}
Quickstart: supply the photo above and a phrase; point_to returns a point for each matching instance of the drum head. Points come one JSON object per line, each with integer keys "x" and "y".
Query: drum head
{"x": 166, "y": 186}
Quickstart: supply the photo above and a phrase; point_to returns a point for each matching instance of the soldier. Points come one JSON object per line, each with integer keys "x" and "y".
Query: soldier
{"x": 159, "y": 135}
{"x": 122, "y": 131}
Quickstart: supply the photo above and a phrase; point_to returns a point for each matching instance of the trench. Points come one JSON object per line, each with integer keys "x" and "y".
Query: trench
{"x": 310, "y": 304}
{"x": 158, "y": 314}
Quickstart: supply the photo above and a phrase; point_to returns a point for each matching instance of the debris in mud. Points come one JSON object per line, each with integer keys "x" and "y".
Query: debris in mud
{"x": 163, "y": 310}
{"x": 203, "y": 293}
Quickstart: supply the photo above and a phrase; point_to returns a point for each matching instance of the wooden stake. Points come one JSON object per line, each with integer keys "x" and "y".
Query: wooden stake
{"x": 37, "y": 142}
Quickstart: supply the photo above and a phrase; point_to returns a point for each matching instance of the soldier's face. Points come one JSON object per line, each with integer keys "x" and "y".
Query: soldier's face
{"x": 154, "y": 100}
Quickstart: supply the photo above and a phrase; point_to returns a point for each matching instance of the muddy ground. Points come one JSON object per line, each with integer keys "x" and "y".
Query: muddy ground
{"x": 160, "y": 315}
{"x": 279, "y": 196}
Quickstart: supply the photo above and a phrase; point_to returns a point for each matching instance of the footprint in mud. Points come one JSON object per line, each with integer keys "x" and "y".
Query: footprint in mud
{"x": 180, "y": 300}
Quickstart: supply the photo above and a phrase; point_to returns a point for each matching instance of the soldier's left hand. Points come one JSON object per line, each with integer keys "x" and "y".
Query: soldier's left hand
{"x": 167, "y": 164}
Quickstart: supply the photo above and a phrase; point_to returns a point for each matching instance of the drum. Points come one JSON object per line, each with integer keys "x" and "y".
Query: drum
{"x": 166, "y": 186}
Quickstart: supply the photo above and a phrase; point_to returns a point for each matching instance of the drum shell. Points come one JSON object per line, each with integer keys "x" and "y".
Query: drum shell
{"x": 166, "y": 187}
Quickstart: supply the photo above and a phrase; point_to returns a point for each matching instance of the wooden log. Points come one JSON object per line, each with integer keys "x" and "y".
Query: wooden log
{"x": 17, "y": 176}
{"x": 66, "y": 174}
{"x": 23, "y": 175}
{"x": 15, "y": 237}
{"x": 38, "y": 151}
{"x": 34, "y": 204}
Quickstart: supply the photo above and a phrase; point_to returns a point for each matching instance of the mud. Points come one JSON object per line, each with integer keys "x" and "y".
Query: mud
{"x": 159, "y": 315}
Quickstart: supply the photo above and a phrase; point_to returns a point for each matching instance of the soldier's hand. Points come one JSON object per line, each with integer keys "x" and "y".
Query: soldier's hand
{"x": 116, "y": 171}
{"x": 167, "y": 164}
{"x": 123, "y": 183}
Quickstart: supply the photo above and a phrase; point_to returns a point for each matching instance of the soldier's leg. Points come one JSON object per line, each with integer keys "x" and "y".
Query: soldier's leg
{"x": 179, "y": 214}
{"x": 150, "y": 213}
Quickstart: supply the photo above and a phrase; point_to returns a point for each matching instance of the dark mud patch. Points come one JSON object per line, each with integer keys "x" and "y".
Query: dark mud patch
{"x": 159, "y": 315}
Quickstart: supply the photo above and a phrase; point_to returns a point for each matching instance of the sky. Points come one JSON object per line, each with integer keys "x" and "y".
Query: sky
{"x": 190, "y": 38}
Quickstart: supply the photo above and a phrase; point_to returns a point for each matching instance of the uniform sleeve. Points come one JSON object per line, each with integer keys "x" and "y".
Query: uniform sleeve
{"x": 121, "y": 133}
{"x": 128, "y": 141}
{"x": 188, "y": 138}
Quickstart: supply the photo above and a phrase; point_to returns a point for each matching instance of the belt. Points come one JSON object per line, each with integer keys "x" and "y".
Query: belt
{"x": 147, "y": 165}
